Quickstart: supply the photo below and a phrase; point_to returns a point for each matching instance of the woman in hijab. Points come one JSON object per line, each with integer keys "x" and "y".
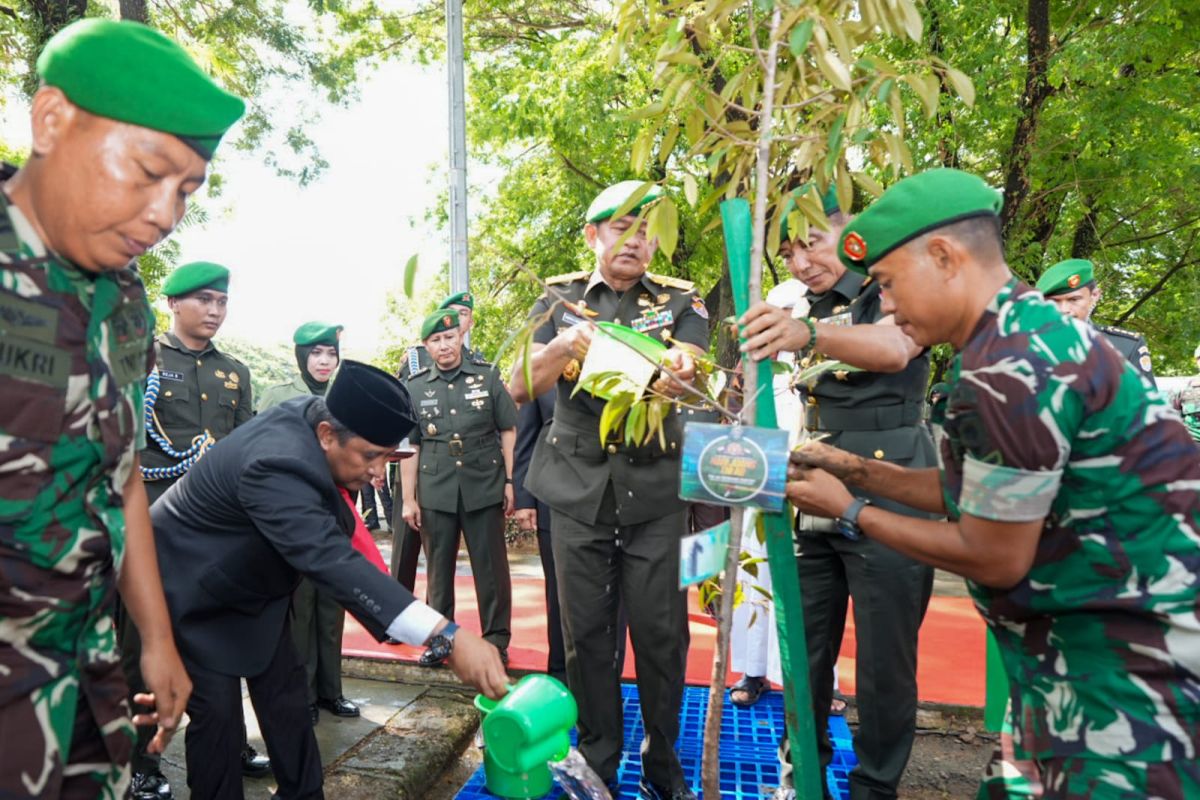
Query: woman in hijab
{"x": 318, "y": 623}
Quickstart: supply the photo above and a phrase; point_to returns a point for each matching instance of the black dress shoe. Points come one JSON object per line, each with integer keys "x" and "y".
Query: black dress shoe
{"x": 428, "y": 659}
{"x": 253, "y": 764}
{"x": 314, "y": 713}
{"x": 150, "y": 786}
{"x": 652, "y": 791}
{"x": 340, "y": 707}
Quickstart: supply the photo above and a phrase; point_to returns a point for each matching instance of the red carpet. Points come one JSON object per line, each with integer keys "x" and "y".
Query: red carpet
{"x": 950, "y": 662}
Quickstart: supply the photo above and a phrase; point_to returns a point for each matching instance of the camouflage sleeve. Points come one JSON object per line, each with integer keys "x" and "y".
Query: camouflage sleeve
{"x": 545, "y": 332}
{"x": 1015, "y": 420}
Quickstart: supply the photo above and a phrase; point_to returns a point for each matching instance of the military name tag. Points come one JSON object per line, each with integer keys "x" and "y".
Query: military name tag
{"x": 34, "y": 361}
{"x": 569, "y": 319}
{"x": 429, "y": 402}
{"x": 129, "y": 342}
{"x": 167, "y": 375}
{"x": 27, "y": 319}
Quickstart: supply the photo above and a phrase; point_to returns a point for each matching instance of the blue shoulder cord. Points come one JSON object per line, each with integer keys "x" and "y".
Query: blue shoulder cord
{"x": 200, "y": 443}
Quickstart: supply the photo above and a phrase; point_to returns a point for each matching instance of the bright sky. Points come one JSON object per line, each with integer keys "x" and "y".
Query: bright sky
{"x": 331, "y": 250}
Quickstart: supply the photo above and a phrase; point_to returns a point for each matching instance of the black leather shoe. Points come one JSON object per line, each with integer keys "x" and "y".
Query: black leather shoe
{"x": 314, "y": 713}
{"x": 253, "y": 764}
{"x": 340, "y": 707}
{"x": 428, "y": 659}
{"x": 652, "y": 791}
{"x": 150, "y": 786}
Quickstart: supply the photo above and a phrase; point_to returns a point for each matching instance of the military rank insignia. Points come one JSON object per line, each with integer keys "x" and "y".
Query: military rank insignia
{"x": 699, "y": 307}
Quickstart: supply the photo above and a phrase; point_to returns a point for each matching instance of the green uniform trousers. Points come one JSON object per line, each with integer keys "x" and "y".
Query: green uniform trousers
{"x": 1101, "y": 779}
{"x": 600, "y": 567}
{"x": 484, "y": 532}
{"x": 317, "y": 631}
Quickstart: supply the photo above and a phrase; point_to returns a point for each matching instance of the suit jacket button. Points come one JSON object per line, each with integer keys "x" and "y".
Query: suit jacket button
{"x": 458, "y": 463}
{"x": 612, "y": 449}
{"x": 453, "y": 411}
{"x": 204, "y": 396}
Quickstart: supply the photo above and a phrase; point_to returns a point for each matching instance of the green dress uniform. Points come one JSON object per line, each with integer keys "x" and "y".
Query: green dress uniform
{"x": 406, "y": 542}
{"x": 75, "y": 349}
{"x": 200, "y": 393}
{"x": 1077, "y": 273}
{"x": 879, "y": 416}
{"x": 617, "y": 521}
{"x": 460, "y": 486}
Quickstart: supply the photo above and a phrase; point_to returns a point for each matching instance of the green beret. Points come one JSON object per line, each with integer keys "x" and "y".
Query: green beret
{"x": 131, "y": 73}
{"x": 194, "y": 277}
{"x": 1066, "y": 276}
{"x": 915, "y": 206}
{"x": 313, "y": 333}
{"x": 444, "y": 319}
{"x": 615, "y": 196}
{"x": 460, "y": 299}
{"x": 829, "y": 204}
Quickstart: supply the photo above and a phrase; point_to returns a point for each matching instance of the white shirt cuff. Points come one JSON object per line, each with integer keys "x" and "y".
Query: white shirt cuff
{"x": 414, "y": 625}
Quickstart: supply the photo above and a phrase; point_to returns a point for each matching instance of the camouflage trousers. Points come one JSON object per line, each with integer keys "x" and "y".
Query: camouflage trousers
{"x": 1090, "y": 779}
{"x": 52, "y": 747}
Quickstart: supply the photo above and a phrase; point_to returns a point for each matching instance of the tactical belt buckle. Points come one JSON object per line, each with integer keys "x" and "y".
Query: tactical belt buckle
{"x": 455, "y": 446}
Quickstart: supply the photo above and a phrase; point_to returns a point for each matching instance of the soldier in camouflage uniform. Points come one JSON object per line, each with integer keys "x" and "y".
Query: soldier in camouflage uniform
{"x": 112, "y": 164}
{"x": 1071, "y": 285}
{"x": 876, "y": 413}
{"x": 1071, "y": 492}
{"x": 1187, "y": 401}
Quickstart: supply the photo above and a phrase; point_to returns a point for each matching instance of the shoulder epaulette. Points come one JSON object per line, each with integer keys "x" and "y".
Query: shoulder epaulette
{"x": 1118, "y": 331}
{"x": 567, "y": 277}
{"x": 478, "y": 360}
{"x": 419, "y": 372}
{"x": 234, "y": 359}
{"x": 674, "y": 283}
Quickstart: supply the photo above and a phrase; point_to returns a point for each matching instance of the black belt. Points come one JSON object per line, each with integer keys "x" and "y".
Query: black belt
{"x": 862, "y": 418}
{"x": 456, "y": 447}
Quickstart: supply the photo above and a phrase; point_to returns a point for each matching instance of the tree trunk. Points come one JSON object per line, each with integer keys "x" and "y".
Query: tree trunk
{"x": 1086, "y": 238}
{"x": 1037, "y": 91}
{"x": 135, "y": 10}
{"x": 49, "y": 17}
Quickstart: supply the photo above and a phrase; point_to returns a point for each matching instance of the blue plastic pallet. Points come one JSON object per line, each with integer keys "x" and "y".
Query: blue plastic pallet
{"x": 749, "y": 740}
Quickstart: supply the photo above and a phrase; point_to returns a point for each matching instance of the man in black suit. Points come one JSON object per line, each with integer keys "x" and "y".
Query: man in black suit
{"x": 235, "y": 535}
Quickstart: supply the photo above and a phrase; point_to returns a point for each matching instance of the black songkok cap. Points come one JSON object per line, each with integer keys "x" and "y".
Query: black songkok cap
{"x": 371, "y": 403}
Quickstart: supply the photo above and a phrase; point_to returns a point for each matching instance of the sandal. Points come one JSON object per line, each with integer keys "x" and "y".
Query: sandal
{"x": 837, "y": 706}
{"x": 751, "y": 687}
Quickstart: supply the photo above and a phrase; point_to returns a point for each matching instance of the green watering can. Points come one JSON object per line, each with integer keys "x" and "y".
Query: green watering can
{"x": 529, "y": 727}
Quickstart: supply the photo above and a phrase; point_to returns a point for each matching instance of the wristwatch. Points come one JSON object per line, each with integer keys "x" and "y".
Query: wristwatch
{"x": 847, "y": 523}
{"x": 441, "y": 645}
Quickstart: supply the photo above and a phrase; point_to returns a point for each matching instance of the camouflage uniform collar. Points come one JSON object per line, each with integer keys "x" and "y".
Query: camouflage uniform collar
{"x": 1005, "y": 295}
{"x": 172, "y": 341}
{"x": 27, "y": 240}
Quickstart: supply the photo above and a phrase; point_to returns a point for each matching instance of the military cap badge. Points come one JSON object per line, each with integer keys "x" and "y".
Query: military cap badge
{"x": 854, "y": 246}
{"x": 1073, "y": 281}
